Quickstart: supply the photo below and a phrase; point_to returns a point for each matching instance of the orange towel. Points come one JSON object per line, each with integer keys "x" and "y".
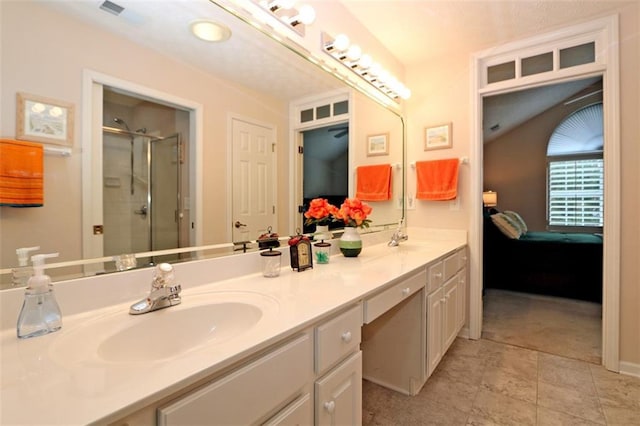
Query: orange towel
{"x": 437, "y": 180}
{"x": 373, "y": 183}
{"x": 21, "y": 174}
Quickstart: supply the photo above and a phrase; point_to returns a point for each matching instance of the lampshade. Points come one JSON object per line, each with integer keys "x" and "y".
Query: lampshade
{"x": 490, "y": 198}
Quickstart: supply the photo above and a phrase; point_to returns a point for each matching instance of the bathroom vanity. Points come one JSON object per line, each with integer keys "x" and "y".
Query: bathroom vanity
{"x": 241, "y": 349}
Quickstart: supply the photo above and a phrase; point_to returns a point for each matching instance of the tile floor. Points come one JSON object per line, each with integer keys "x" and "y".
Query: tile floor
{"x": 571, "y": 328}
{"x": 482, "y": 382}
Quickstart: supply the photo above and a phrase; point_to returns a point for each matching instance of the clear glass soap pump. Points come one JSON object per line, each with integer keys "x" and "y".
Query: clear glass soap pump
{"x": 40, "y": 313}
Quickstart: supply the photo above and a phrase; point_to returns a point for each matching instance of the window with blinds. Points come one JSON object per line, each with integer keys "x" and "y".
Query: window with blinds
{"x": 576, "y": 193}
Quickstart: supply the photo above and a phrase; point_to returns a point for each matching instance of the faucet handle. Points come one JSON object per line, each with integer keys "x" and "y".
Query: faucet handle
{"x": 162, "y": 276}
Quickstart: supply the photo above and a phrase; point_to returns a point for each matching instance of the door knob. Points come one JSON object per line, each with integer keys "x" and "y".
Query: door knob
{"x": 238, "y": 224}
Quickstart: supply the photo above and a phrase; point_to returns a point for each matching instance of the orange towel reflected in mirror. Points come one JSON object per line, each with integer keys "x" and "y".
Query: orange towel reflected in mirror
{"x": 373, "y": 183}
{"x": 21, "y": 174}
{"x": 437, "y": 180}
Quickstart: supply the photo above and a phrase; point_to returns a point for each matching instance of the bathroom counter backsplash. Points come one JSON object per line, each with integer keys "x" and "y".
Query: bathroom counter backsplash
{"x": 40, "y": 386}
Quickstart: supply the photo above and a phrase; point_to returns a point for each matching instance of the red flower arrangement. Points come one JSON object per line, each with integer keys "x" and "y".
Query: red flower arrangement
{"x": 320, "y": 212}
{"x": 353, "y": 212}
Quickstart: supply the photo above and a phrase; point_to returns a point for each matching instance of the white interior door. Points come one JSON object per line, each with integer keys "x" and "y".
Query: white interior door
{"x": 253, "y": 193}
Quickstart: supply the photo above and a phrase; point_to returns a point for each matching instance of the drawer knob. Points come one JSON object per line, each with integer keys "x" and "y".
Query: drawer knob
{"x": 406, "y": 291}
{"x": 438, "y": 275}
{"x": 330, "y": 406}
{"x": 346, "y": 336}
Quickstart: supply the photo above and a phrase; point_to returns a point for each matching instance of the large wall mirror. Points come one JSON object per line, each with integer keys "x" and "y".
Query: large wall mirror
{"x": 159, "y": 115}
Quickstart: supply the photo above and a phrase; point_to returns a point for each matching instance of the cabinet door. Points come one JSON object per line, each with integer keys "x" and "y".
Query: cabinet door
{"x": 339, "y": 394}
{"x": 435, "y": 303}
{"x": 450, "y": 313}
{"x": 462, "y": 298}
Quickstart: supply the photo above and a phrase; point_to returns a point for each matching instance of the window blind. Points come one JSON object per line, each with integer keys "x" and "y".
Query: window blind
{"x": 576, "y": 193}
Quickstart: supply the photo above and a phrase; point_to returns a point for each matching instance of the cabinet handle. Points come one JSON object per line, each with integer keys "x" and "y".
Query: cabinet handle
{"x": 330, "y": 406}
{"x": 406, "y": 291}
{"x": 438, "y": 275}
{"x": 346, "y": 336}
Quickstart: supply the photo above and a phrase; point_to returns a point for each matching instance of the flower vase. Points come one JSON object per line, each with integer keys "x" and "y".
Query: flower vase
{"x": 322, "y": 233}
{"x": 350, "y": 242}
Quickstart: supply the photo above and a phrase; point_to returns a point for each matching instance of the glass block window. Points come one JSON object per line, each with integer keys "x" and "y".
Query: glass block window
{"x": 537, "y": 64}
{"x": 306, "y": 115}
{"x": 340, "y": 108}
{"x": 323, "y": 111}
{"x": 578, "y": 55}
{"x": 501, "y": 72}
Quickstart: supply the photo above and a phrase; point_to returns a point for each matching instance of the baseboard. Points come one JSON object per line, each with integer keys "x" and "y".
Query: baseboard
{"x": 630, "y": 369}
{"x": 464, "y": 332}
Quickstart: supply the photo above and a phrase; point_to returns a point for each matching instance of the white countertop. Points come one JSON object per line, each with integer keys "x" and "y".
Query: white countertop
{"x": 43, "y": 381}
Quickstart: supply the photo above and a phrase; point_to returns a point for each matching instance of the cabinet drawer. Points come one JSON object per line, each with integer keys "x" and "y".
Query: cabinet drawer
{"x": 451, "y": 265}
{"x": 381, "y": 303}
{"x": 249, "y": 393}
{"x": 338, "y": 337}
{"x": 436, "y": 277}
{"x": 299, "y": 412}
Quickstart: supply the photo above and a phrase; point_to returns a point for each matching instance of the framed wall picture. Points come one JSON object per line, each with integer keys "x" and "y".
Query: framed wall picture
{"x": 40, "y": 119}
{"x": 438, "y": 137}
{"x": 378, "y": 144}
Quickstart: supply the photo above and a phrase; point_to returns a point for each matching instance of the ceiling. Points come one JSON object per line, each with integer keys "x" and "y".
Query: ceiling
{"x": 417, "y": 31}
{"x": 257, "y": 63}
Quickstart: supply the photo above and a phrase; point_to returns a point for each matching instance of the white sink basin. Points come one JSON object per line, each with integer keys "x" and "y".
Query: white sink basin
{"x": 201, "y": 319}
{"x": 171, "y": 332}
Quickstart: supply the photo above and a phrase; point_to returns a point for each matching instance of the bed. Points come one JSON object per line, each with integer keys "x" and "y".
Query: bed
{"x": 548, "y": 263}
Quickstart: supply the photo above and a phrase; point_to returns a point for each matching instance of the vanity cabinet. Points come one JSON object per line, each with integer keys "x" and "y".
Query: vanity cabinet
{"x": 312, "y": 378}
{"x": 446, "y": 305}
{"x": 338, "y": 366}
{"x": 250, "y": 393}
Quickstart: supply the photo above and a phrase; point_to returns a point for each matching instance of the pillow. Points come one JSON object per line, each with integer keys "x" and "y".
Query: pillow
{"x": 505, "y": 224}
{"x": 518, "y": 220}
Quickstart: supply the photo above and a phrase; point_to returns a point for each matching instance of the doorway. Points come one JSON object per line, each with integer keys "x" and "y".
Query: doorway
{"x": 601, "y": 36}
{"x": 158, "y": 125}
{"x": 325, "y": 164}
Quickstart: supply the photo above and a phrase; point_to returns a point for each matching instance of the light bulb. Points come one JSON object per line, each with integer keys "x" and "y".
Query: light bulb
{"x": 341, "y": 43}
{"x": 375, "y": 69}
{"x": 384, "y": 76}
{"x": 365, "y": 61}
{"x": 306, "y": 14}
{"x": 354, "y": 53}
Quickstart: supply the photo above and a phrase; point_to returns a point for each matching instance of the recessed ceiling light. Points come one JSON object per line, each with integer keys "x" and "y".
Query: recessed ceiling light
{"x": 210, "y": 31}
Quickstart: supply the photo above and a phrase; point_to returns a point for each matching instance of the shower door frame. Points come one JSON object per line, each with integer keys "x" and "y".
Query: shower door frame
{"x": 149, "y": 140}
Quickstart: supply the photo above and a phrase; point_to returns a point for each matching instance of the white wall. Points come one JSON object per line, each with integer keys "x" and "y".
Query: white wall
{"x": 442, "y": 93}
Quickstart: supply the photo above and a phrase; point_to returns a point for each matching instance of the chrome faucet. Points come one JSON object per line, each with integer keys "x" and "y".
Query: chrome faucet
{"x": 164, "y": 293}
{"x": 398, "y": 235}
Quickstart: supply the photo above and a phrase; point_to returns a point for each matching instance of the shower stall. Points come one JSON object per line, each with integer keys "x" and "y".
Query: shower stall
{"x": 141, "y": 191}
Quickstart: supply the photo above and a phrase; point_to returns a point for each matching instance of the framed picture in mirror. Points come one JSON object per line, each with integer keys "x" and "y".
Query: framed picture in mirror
{"x": 438, "y": 137}
{"x": 378, "y": 144}
{"x": 40, "y": 119}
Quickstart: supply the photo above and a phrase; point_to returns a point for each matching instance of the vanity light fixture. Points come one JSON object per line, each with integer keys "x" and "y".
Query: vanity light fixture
{"x": 351, "y": 56}
{"x": 209, "y": 30}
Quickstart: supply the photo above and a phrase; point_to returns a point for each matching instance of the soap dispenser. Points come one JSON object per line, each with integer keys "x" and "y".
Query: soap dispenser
{"x": 40, "y": 313}
{"x": 20, "y": 276}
